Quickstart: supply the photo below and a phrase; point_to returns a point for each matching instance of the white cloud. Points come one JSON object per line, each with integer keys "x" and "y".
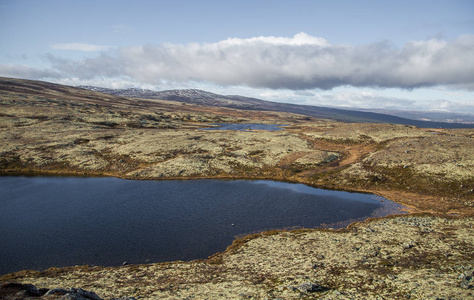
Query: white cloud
{"x": 298, "y": 40}
{"x": 299, "y": 63}
{"x": 80, "y": 47}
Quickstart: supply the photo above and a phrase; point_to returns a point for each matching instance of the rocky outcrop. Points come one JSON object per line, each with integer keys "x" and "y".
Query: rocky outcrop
{"x": 13, "y": 291}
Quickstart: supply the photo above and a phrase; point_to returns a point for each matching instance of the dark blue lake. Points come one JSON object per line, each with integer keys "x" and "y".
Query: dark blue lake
{"x": 61, "y": 221}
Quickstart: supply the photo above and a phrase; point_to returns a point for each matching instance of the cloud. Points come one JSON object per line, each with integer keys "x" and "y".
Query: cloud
{"x": 304, "y": 93}
{"x": 80, "y": 47}
{"x": 25, "y": 72}
{"x": 297, "y": 63}
{"x": 357, "y": 98}
{"x": 362, "y": 99}
{"x": 102, "y": 66}
{"x": 298, "y": 40}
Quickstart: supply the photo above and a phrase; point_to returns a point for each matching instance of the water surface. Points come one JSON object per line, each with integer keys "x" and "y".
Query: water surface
{"x": 60, "y": 221}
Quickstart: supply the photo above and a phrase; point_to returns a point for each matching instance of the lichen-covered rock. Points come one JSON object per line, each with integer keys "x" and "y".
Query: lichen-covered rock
{"x": 14, "y": 291}
{"x": 309, "y": 287}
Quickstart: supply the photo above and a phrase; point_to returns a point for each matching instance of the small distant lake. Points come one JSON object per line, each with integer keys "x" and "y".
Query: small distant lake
{"x": 245, "y": 126}
{"x": 63, "y": 221}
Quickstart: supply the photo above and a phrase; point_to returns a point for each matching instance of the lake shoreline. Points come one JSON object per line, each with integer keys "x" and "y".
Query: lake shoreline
{"x": 386, "y": 194}
{"x": 237, "y": 270}
{"x": 254, "y": 206}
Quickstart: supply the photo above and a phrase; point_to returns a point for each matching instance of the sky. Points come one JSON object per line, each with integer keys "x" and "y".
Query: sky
{"x": 408, "y": 55}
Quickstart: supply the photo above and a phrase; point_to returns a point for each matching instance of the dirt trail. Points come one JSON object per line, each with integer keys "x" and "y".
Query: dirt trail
{"x": 349, "y": 154}
{"x": 355, "y": 153}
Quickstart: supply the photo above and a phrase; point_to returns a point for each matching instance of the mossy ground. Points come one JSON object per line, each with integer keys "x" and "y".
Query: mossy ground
{"x": 65, "y": 131}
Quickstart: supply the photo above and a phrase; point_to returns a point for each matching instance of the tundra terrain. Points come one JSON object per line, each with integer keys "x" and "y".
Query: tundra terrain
{"x": 58, "y": 130}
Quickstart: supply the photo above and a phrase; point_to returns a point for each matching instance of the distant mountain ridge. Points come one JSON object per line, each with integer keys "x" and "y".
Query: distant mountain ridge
{"x": 200, "y": 97}
{"x": 426, "y": 115}
{"x": 194, "y": 96}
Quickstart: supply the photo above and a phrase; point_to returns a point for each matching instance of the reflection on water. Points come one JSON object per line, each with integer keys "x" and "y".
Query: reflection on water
{"x": 105, "y": 221}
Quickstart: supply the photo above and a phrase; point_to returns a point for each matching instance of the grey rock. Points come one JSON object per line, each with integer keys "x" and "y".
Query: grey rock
{"x": 19, "y": 290}
{"x": 289, "y": 287}
{"x": 31, "y": 290}
{"x": 74, "y": 294}
{"x": 309, "y": 287}
{"x": 465, "y": 284}
{"x": 467, "y": 281}
{"x": 88, "y": 294}
{"x": 56, "y": 292}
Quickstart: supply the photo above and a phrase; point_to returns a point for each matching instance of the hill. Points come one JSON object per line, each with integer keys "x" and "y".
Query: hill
{"x": 49, "y": 129}
{"x": 54, "y": 128}
{"x": 234, "y": 101}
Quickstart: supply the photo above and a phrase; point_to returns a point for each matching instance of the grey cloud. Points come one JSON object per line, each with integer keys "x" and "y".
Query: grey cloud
{"x": 363, "y": 100}
{"x": 299, "y": 63}
{"x": 466, "y": 86}
{"x": 21, "y": 71}
{"x": 304, "y": 93}
{"x": 360, "y": 100}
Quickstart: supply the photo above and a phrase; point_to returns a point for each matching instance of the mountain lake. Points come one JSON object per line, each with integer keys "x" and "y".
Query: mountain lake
{"x": 64, "y": 221}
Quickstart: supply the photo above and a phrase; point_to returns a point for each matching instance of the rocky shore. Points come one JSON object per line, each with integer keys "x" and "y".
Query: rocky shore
{"x": 28, "y": 291}
{"x": 402, "y": 257}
